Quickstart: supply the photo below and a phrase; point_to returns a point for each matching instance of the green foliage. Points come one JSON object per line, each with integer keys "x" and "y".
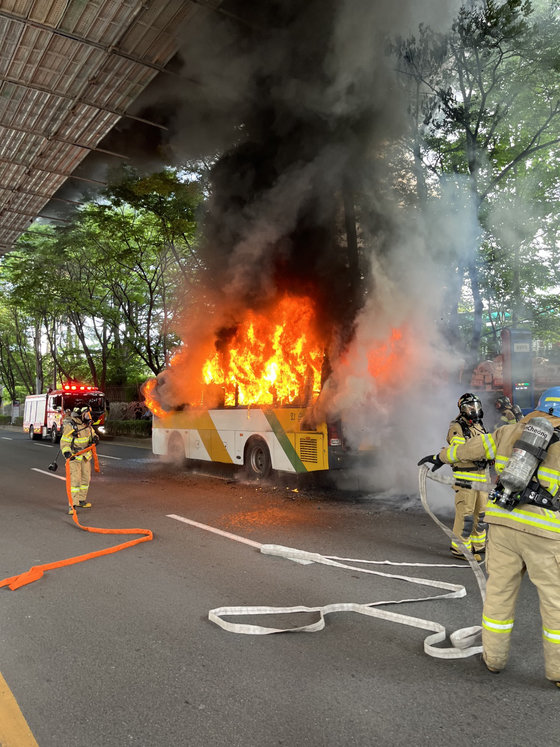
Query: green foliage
{"x": 7, "y": 420}
{"x": 133, "y": 428}
{"x": 488, "y": 107}
{"x": 98, "y": 299}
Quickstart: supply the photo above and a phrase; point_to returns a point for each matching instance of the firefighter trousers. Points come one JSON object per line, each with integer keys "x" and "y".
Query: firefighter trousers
{"x": 469, "y": 525}
{"x": 80, "y": 476}
{"x": 510, "y": 553}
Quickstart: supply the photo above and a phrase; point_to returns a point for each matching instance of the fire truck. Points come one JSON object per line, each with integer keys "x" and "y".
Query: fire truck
{"x": 43, "y": 413}
{"x": 518, "y": 372}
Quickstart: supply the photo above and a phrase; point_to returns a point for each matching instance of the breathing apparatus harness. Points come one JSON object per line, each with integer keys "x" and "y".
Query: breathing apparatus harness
{"x": 518, "y": 482}
{"x": 76, "y": 430}
{"x": 465, "y": 428}
{"x": 77, "y": 427}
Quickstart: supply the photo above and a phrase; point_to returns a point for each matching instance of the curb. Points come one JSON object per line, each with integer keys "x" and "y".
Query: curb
{"x": 139, "y": 443}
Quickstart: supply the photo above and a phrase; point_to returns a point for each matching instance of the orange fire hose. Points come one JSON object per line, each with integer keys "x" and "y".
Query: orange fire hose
{"x": 36, "y": 572}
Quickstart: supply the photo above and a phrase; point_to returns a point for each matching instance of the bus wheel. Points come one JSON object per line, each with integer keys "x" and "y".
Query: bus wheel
{"x": 55, "y": 436}
{"x": 257, "y": 459}
{"x": 176, "y": 449}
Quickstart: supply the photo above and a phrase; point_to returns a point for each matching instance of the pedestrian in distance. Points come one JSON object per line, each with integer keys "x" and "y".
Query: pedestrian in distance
{"x": 470, "y": 475}
{"x": 78, "y": 434}
{"x": 523, "y": 515}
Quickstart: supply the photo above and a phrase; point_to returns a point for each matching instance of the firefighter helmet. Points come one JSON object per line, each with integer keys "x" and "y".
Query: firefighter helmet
{"x": 503, "y": 402}
{"x": 549, "y": 401}
{"x": 82, "y": 413}
{"x": 470, "y": 407}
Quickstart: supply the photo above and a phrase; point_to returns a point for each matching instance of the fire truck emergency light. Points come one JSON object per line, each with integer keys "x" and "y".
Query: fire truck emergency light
{"x": 80, "y": 387}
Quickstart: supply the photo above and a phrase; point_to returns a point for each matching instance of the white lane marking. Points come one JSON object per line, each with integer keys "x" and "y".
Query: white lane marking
{"x": 106, "y": 456}
{"x": 6, "y": 438}
{"x": 50, "y": 474}
{"x": 48, "y": 446}
{"x": 221, "y": 532}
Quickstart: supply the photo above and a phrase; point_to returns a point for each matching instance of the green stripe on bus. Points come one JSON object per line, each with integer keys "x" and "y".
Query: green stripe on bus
{"x": 285, "y": 442}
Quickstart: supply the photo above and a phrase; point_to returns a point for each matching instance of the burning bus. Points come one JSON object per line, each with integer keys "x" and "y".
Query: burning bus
{"x": 257, "y": 399}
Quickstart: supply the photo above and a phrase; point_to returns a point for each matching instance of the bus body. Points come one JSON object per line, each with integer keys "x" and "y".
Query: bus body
{"x": 257, "y": 438}
{"x": 43, "y": 413}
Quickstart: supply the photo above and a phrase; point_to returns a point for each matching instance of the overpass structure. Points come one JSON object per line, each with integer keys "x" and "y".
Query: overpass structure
{"x": 70, "y": 71}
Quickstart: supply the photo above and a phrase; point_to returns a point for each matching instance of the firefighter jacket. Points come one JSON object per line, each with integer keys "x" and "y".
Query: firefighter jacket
{"x": 507, "y": 417}
{"x": 469, "y": 473}
{"x": 75, "y": 437}
{"x": 498, "y": 446}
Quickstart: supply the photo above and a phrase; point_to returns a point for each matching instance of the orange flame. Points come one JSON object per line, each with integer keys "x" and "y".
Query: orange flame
{"x": 276, "y": 357}
{"x": 273, "y": 357}
{"x": 150, "y": 400}
{"x": 386, "y": 361}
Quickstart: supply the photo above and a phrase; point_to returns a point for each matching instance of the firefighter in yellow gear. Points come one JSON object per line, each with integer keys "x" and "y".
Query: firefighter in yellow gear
{"x": 507, "y": 413}
{"x": 524, "y": 537}
{"x": 78, "y": 434}
{"x": 469, "y": 526}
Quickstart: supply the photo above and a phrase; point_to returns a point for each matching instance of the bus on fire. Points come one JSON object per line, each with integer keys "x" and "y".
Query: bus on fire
{"x": 257, "y": 402}
{"x": 257, "y": 438}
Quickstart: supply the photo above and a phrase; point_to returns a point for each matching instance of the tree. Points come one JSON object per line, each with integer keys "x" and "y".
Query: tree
{"x": 16, "y": 356}
{"x": 23, "y": 278}
{"x": 487, "y": 106}
{"x": 144, "y": 238}
{"x": 98, "y": 298}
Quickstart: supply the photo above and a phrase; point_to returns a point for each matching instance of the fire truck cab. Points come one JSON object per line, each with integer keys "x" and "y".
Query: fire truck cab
{"x": 43, "y": 413}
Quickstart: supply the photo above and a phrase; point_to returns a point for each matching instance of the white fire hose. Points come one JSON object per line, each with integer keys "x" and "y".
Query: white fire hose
{"x": 464, "y": 642}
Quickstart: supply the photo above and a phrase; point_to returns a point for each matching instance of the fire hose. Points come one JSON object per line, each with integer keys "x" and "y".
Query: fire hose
{"x": 36, "y": 572}
{"x": 464, "y": 642}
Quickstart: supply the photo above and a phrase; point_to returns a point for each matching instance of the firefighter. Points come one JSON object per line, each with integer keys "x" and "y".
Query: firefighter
{"x": 469, "y": 523}
{"x": 523, "y": 536}
{"x": 506, "y": 412}
{"x": 78, "y": 434}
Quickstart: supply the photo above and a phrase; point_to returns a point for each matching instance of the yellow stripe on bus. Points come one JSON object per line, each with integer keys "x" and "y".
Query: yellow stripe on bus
{"x": 210, "y": 437}
{"x": 14, "y": 731}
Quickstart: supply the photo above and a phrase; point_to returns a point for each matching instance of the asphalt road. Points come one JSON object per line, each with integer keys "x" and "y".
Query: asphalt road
{"x": 119, "y": 650}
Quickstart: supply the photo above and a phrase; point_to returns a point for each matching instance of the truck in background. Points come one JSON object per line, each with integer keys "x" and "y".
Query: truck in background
{"x": 518, "y": 372}
{"x": 43, "y": 413}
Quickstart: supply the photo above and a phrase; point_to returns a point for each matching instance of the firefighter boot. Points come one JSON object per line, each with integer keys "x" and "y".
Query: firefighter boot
{"x": 456, "y": 553}
{"x": 84, "y": 504}
{"x": 488, "y": 667}
{"x": 71, "y": 510}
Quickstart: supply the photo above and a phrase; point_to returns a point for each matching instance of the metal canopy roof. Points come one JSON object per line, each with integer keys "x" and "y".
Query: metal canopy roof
{"x": 69, "y": 71}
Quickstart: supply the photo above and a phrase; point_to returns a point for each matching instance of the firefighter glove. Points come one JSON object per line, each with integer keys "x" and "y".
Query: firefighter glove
{"x": 68, "y": 455}
{"x": 95, "y": 438}
{"x": 434, "y": 460}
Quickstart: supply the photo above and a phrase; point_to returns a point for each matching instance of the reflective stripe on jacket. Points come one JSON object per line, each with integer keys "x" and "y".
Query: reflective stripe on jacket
{"x": 464, "y": 470}
{"x": 498, "y": 445}
{"x": 75, "y": 437}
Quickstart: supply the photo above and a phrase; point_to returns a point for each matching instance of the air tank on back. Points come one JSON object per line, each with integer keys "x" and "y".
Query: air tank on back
{"x": 523, "y": 461}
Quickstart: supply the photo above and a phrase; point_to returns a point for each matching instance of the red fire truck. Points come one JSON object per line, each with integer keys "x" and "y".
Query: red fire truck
{"x": 43, "y": 413}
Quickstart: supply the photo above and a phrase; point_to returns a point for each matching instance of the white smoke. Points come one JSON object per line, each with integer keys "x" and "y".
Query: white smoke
{"x": 405, "y": 412}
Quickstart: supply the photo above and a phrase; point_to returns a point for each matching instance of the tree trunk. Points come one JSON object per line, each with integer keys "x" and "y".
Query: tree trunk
{"x": 355, "y": 281}
{"x": 474, "y": 348}
{"x": 38, "y": 359}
